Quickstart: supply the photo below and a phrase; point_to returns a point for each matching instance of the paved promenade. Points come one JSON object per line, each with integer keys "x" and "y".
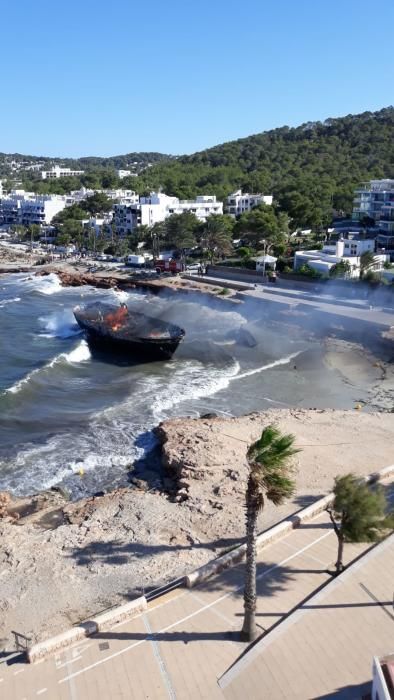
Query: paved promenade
{"x": 325, "y": 649}
{"x": 186, "y": 640}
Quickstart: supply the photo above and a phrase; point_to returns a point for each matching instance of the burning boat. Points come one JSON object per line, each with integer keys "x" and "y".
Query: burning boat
{"x": 119, "y": 328}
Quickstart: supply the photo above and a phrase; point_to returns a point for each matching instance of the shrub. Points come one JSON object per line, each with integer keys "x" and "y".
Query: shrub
{"x": 244, "y": 252}
{"x": 308, "y": 271}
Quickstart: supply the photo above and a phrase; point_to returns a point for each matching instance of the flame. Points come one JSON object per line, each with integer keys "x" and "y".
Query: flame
{"x": 117, "y": 319}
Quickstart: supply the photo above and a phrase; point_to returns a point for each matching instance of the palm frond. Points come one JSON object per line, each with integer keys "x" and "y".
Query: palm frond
{"x": 268, "y": 460}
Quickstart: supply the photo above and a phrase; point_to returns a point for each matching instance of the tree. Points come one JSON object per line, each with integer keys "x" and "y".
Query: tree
{"x": 258, "y": 224}
{"x": 358, "y": 513}
{"x": 97, "y": 203}
{"x": 341, "y": 269}
{"x": 33, "y": 232}
{"x": 269, "y": 477}
{"x": 367, "y": 261}
{"x": 70, "y": 230}
{"x": 181, "y": 230}
{"x": 215, "y": 236}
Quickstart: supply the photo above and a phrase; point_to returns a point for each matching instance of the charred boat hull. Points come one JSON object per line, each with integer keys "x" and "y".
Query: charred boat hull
{"x": 132, "y": 334}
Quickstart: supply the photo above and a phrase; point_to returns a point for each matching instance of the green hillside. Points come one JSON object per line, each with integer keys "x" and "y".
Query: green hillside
{"x": 308, "y": 169}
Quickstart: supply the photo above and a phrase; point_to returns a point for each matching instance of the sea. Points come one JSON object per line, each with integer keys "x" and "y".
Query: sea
{"x": 73, "y": 417}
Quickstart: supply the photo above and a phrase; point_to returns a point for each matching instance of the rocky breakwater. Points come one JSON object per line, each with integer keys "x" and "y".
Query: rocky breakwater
{"x": 70, "y": 278}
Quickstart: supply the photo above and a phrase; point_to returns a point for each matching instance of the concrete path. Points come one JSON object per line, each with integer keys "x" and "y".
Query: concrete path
{"x": 360, "y": 311}
{"x": 325, "y": 649}
{"x": 187, "y": 639}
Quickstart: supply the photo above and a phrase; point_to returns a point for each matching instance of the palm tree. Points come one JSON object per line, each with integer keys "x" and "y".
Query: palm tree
{"x": 216, "y": 236}
{"x": 270, "y": 477}
{"x": 367, "y": 261}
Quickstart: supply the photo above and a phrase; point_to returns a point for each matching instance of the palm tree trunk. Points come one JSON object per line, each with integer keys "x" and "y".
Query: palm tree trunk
{"x": 249, "y": 630}
{"x": 339, "y": 563}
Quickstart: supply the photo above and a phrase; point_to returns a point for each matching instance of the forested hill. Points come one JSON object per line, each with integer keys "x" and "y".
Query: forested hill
{"x": 309, "y": 169}
{"x": 11, "y": 162}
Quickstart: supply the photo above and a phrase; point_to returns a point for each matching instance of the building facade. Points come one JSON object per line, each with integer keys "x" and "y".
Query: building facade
{"x": 158, "y": 207}
{"x": 238, "y": 203}
{"x": 350, "y": 250}
{"x": 57, "y": 171}
{"x": 25, "y": 208}
{"x": 372, "y": 200}
{"x": 125, "y": 173}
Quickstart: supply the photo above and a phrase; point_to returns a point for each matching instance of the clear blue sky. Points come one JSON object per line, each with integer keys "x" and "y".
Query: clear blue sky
{"x": 104, "y": 78}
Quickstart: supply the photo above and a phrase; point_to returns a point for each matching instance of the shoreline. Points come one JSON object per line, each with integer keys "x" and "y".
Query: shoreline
{"x": 64, "y": 561}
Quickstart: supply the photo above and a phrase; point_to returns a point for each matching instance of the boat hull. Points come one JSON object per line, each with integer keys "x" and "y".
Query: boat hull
{"x": 159, "y": 342}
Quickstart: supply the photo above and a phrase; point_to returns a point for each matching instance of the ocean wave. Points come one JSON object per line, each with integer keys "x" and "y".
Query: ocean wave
{"x": 50, "y": 284}
{"x": 102, "y": 461}
{"x": 193, "y": 381}
{"x": 270, "y": 365}
{"x": 120, "y": 294}
{"x": 60, "y": 324}
{"x": 9, "y": 301}
{"x": 79, "y": 354}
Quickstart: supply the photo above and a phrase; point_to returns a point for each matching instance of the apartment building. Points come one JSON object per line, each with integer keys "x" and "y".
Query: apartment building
{"x": 158, "y": 206}
{"x": 57, "y": 171}
{"x": 238, "y": 203}
{"x": 372, "y": 199}
{"x": 375, "y": 199}
{"x": 25, "y": 208}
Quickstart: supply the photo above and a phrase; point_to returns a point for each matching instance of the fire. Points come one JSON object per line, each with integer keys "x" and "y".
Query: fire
{"x": 117, "y": 319}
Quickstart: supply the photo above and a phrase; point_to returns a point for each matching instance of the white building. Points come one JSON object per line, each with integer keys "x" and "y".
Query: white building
{"x": 351, "y": 250}
{"x": 203, "y": 206}
{"x": 238, "y": 203}
{"x": 57, "y": 171}
{"x": 123, "y": 196}
{"x": 125, "y": 173}
{"x": 25, "y": 208}
{"x": 158, "y": 207}
{"x": 98, "y": 225}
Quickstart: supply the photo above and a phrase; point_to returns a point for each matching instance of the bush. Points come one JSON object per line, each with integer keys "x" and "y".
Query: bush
{"x": 308, "y": 271}
{"x": 223, "y": 292}
{"x": 244, "y": 252}
{"x": 371, "y": 277}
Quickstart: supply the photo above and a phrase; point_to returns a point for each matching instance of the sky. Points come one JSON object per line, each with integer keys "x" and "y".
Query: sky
{"x": 101, "y": 78}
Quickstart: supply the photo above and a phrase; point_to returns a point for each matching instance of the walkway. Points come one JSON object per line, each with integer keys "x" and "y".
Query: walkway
{"x": 325, "y": 649}
{"x": 187, "y": 639}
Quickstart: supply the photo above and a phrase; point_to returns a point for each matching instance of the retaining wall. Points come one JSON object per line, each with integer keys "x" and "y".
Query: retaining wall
{"x": 103, "y": 621}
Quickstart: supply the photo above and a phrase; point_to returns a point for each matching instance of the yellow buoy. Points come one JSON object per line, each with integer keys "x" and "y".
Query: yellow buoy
{"x": 81, "y": 472}
{"x": 358, "y": 406}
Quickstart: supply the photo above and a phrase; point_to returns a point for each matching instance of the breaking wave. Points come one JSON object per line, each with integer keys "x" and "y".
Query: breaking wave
{"x": 50, "y": 284}
{"x": 9, "y": 301}
{"x": 270, "y": 365}
{"x": 60, "y": 324}
{"x": 79, "y": 354}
